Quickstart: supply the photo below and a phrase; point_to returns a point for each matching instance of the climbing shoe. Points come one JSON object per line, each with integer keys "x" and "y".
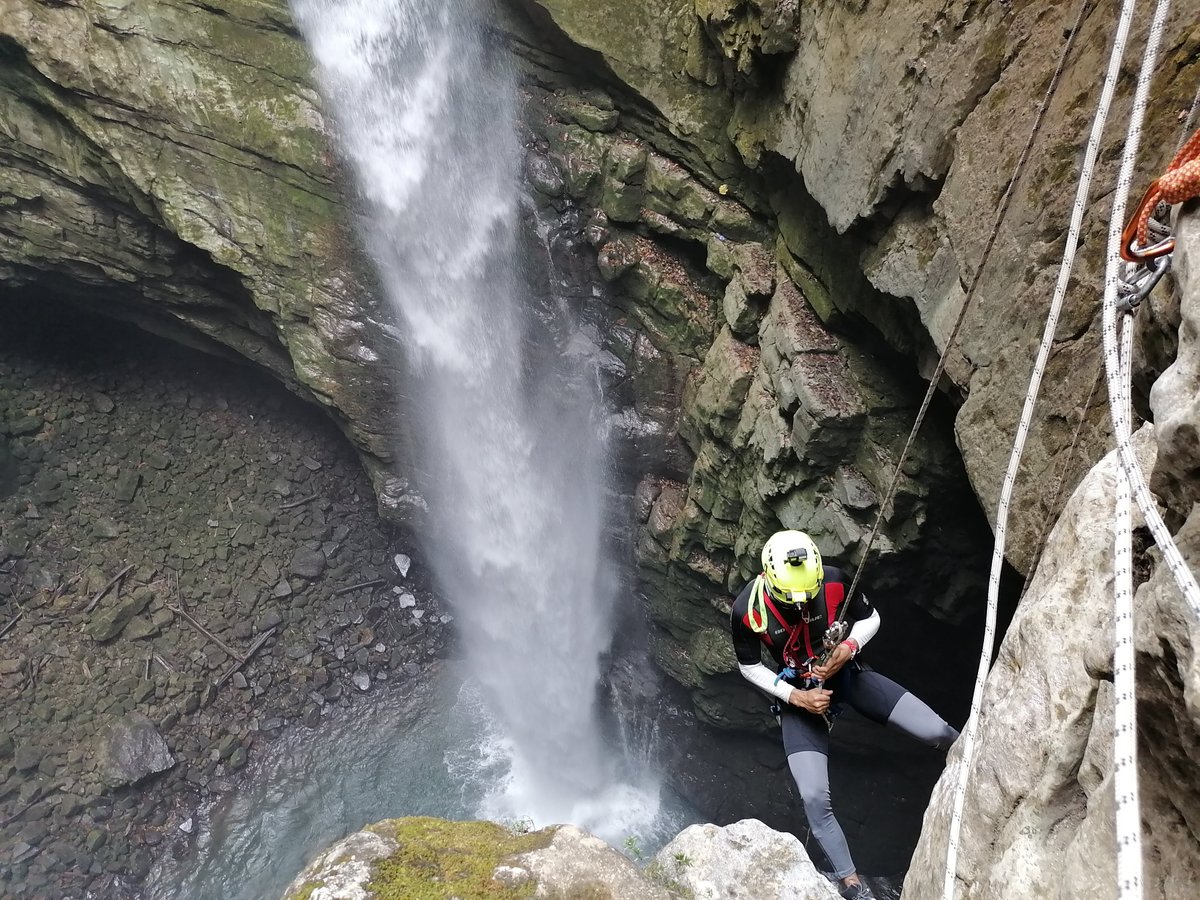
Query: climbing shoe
{"x": 858, "y": 891}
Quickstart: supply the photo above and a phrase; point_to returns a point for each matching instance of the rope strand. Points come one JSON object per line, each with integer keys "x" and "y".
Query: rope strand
{"x": 1125, "y": 774}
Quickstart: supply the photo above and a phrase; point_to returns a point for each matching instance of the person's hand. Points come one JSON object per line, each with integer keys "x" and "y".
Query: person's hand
{"x": 842, "y": 654}
{"x": 815, "y": 700}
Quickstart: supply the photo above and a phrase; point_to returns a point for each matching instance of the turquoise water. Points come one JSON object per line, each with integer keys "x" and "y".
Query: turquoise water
{"x": 395, "y": 756}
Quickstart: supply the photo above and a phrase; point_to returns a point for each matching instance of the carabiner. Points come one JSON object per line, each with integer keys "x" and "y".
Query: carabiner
{"x": 1136, "y": 289}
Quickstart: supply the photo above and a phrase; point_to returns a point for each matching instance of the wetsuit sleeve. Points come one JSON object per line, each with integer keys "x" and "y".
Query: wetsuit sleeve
{"x": 764, "y": 679}
{"x": 865, "y": 629}
{"x": 863, "y": 615}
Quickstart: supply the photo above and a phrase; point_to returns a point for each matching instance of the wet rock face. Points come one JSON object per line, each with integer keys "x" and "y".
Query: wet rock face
{"x": 742, "y": 411}
{"x": 172, "y": 167}
{"x": 878, "y": 138}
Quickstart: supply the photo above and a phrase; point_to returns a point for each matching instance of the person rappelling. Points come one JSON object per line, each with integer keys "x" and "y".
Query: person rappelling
{"x": 799, "y": 610}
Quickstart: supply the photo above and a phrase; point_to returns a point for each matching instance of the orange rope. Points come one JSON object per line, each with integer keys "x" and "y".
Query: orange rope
{"x": 1180, "y": 182}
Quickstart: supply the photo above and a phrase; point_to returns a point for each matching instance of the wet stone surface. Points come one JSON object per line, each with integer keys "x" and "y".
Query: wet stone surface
{"x": 236, "y": 518}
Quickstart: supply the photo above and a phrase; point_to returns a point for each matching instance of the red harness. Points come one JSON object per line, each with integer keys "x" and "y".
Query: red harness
{"x": 835, "y": 593}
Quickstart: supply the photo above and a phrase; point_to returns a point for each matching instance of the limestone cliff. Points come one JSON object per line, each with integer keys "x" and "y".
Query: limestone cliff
{"x": 881, "y": 136}
{"x": 1039, "y": 815}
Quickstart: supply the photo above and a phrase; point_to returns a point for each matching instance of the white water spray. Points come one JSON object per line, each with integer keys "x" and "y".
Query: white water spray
{"x": 507, "y": 429}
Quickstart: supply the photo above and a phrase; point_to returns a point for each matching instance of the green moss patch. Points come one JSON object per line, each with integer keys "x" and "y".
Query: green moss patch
{"x": 306, "y": 890}
{"x": 440, "y": 859}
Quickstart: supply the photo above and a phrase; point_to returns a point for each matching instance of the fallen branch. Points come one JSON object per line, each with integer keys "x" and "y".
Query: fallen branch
{"x": 162, "y": 662}
{"x": 108, "y": 587}
{"x": 254, "y": 648}
{"x": 358, "y": 587}
{"x": 28, "y": 806}
{"x": 178, "y": 610}
{"x": 63, "y": 584}
{"x": 299, "y": 502}
{"x": 15, "y": 619}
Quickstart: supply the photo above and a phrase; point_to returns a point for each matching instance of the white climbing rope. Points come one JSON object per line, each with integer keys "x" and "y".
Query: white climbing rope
{"x": 1118, "y": 351}
{"x": 1125, "y": 774}
{"x": 1118, "y": 393}
{"x": 989, "y": 635}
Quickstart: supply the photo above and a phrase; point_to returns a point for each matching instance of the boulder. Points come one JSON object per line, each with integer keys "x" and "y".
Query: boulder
{"x": 403, "y": 857}
{"x": 132, "y": 749}
{"x": 579, "y": 864}
{"x": 110, "y": 620}
{"x": 743, "y": 861}
{"x": 308, "y": 563}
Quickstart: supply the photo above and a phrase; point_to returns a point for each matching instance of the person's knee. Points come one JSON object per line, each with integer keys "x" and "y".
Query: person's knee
{"x": 818, "y": 806}
{"x": 814, "y": 792}
{"x": 811, "y": 775}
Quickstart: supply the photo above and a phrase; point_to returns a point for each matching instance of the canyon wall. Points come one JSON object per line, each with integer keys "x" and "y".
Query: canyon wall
{"x": 169, "y": 163}
{"x": 1039, "y": 818}
{"x": 783, "y": 202}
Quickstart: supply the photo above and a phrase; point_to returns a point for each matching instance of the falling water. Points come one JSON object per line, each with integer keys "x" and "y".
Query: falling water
{"x": 507, "y": 430}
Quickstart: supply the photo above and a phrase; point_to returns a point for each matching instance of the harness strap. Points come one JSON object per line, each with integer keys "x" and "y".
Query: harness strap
{"x": 794, "y": 632}
{"x": 756, "y": 607}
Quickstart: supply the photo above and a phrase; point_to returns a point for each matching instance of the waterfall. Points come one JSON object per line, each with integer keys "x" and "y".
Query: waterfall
{"x": 507, "y": 428}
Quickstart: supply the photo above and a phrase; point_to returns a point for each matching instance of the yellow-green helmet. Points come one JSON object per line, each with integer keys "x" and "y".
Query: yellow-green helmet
{"x": 792, "y": 567}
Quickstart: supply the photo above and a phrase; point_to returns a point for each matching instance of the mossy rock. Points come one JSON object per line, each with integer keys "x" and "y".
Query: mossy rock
{"x": 436, "y": 858}
{"x": 430, "y": 859}
{"x": 421, "y": 858}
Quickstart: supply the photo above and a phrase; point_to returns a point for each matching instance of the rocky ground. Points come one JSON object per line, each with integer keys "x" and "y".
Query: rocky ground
{"x": 190, "y": 562}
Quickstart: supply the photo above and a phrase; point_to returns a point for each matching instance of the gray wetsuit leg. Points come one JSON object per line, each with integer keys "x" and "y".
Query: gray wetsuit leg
{"x": 916, "y": 719}
{"x": 810, "y": 768}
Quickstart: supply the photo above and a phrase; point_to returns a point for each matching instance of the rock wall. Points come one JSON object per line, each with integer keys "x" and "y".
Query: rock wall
{"x": 1039, "y": 816}
{"x": 870, "y": 130}
{"x": 748, "y": 401}
{"x": 168, "y": 162}
{"x": 784, "y": 202}
{"x": 880, "y": 139}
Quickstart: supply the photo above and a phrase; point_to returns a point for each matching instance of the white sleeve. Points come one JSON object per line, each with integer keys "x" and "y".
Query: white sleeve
{"x": 865, "y": 629}
{"x": 764, "y": 679}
